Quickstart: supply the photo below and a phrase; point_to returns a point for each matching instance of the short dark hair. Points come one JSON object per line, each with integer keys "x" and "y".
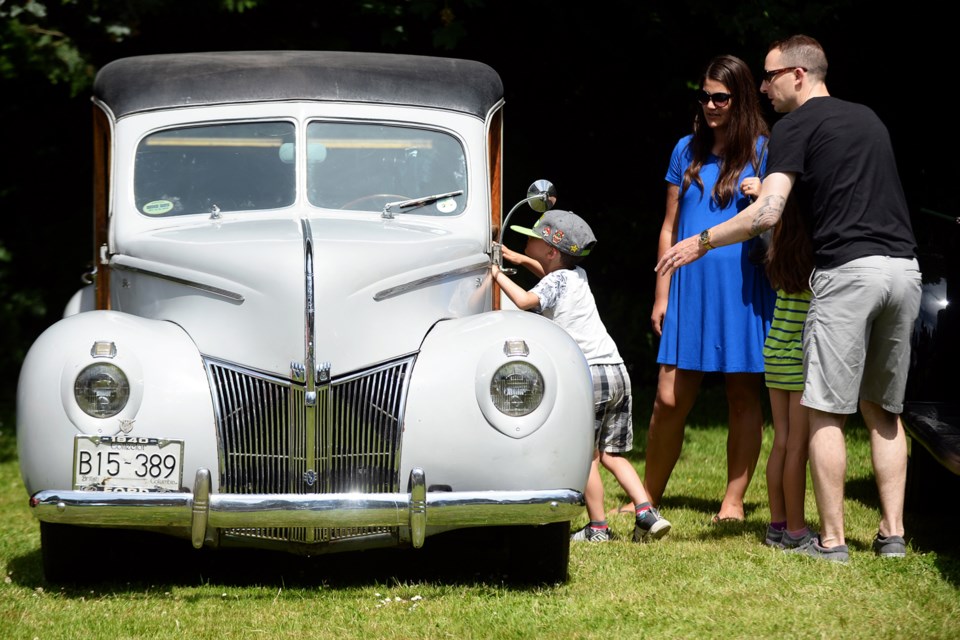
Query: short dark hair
{"x": 802, "y": 51}
{"x": 568, "y": 261}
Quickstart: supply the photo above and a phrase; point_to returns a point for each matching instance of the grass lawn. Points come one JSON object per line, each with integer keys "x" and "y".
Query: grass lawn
{"x": 701, "y": 581}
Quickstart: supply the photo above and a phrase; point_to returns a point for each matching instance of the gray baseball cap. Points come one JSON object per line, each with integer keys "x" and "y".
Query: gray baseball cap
{"x": 564, "y": 230}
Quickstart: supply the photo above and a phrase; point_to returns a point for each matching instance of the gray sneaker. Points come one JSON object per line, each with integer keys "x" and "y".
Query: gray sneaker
{"x": 650, "y": 526}
{"x": 812, "y": 548}
{"x": 890, "y": 546}
{"x": 789, "y": 542}
{"x": 589, "y": 534}
{"x": 774, "y": 537}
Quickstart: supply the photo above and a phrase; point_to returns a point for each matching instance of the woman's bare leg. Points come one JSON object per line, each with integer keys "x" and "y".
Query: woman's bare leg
{"x": 744, "y": 439}
{"x": 676, "y": 392}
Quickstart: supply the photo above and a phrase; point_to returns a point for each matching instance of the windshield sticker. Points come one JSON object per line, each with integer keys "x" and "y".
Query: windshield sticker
{"x": 157, "y": 207}
{"x": 447, "y": 205}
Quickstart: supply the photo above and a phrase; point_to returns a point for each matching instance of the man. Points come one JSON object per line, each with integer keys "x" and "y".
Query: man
{"x": 836, "y": 158}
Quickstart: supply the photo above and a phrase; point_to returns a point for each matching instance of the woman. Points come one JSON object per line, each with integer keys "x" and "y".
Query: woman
{"x": 714, "y": 316}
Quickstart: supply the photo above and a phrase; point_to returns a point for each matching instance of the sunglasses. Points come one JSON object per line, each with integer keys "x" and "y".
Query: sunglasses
{"x": 718, "y": 99}
{"x": 770, "y": 76}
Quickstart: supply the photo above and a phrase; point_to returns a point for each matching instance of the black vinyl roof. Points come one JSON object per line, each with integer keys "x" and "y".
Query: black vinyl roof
{"x": 151, "y": 82}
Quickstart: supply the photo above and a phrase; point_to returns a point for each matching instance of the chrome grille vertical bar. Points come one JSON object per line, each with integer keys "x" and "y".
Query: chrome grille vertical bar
{"x": 235, "y": 429}
{"x": 310, "y": 391}
{"x": 296, "y": 430}
{"x": 251, "y": 433}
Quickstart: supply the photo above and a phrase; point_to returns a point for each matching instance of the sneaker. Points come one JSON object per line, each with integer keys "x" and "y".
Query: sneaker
{"x": 812, "y": 548}
{"x": 774, "y": 537}
{"x": 890, "y": 546}
{"x": 650, "y": 526}
{"x": 789, "y": 542}
{"x": 589, "y": 534}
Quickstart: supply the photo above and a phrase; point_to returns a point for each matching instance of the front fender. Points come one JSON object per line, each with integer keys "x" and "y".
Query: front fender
{"x": 449, "y": 430}
{"x": 169, "y": 393}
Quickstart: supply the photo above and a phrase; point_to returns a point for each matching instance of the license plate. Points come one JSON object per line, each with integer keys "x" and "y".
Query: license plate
{"x": 127, "y": 463}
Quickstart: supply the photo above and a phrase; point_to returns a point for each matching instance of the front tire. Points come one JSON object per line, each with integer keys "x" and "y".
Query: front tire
{"x": 68, "y": 553}
{"x": 538, "y": 553}
{"x": 83, "y": 555}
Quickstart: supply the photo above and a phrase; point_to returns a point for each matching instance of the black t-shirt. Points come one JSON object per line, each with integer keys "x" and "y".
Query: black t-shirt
{"x": 846, "y": 180}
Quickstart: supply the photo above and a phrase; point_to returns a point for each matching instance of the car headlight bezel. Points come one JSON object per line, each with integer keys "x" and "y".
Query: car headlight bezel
{"x": 538, "y": 385}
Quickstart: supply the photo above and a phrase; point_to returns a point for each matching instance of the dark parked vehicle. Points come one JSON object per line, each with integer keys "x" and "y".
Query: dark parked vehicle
{"x": 931, "y": 412}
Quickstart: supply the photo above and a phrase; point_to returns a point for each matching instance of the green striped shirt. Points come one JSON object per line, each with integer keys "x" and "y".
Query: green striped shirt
{"x": 783, "y": 347}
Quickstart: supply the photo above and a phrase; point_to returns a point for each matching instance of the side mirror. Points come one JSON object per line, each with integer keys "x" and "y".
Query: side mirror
{"x": 541, "y": 196}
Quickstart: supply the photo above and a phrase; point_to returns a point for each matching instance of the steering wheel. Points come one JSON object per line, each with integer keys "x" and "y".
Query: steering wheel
{"x": 386, "y": 197}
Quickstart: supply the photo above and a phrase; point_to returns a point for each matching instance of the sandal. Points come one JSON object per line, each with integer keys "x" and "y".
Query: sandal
{"x": 718, "y": 520}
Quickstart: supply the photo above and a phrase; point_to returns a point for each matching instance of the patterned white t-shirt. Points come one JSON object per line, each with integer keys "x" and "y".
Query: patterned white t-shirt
{"x": 565, "y": 298}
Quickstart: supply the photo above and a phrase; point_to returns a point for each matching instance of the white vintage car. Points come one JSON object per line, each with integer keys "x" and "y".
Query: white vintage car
{"x": 291, "y": 339}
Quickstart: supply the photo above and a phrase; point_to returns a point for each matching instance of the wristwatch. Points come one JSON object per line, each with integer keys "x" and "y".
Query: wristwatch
{"x": 705, "y": 239}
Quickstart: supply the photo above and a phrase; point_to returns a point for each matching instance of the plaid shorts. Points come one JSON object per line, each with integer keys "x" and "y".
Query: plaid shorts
{"x": 613, "y": 404}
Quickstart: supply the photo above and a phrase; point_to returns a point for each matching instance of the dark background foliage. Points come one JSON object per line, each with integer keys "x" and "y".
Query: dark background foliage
{"x": 596, "y": 96}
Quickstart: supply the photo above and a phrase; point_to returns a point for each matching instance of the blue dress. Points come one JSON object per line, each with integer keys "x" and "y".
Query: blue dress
{"x": 720, "y": 306}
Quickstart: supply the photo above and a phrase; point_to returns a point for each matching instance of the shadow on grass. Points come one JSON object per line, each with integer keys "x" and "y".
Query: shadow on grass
{"x": 153, "y": 561}
{"x": 930, "y": 521}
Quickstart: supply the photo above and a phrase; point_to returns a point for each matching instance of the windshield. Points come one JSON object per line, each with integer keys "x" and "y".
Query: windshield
{"x": 366, "y": 166}
{"x": 223, "y": 167}
{"x": 252, "y": 166}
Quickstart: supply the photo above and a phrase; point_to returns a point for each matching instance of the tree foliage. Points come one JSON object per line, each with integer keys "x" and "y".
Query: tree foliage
{"x": 596, "y": 93}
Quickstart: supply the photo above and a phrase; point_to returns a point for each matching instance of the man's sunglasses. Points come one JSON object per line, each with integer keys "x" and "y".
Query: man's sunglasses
{"x": 718, "y": 99}
{"x": 770, "y": 76}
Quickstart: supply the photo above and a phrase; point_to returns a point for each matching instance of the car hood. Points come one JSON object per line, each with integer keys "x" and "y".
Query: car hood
{"x": 241, "y": 289}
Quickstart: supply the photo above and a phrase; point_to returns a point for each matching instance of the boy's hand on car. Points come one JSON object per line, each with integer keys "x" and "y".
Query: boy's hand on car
{"x": 510, "y": 255}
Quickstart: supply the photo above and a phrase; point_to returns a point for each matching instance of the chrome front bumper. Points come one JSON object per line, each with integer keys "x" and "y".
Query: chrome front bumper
{"x": 201, "y": 511}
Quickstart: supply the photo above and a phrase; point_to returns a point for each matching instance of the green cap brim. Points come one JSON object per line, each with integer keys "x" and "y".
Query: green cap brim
{"x": 525, "y": 231}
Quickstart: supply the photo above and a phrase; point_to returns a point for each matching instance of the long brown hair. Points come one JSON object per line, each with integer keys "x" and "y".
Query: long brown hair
{"x": 790, "y": 254}
{"x": 744, "y": 129}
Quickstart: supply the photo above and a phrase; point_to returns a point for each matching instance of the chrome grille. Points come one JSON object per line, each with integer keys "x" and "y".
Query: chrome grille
{"x": 262, "y": 435}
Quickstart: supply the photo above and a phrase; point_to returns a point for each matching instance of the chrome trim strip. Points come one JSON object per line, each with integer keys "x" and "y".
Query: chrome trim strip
{"x": 309, "y": 362}
{"x": 428, "y": 280}
{"x": 229, "y": 295}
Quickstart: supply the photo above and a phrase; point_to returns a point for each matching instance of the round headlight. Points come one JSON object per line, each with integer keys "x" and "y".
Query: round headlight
{"x": 516, "y": 388}
{"x": 101, "y": 390}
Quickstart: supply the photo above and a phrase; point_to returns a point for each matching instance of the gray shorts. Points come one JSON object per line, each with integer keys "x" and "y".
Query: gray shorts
{"x": 856, "y": 340}
{"x": 613, "y": 405}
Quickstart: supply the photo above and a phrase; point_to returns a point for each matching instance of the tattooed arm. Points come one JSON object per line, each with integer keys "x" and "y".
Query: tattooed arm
{"x": 752, "y": 221}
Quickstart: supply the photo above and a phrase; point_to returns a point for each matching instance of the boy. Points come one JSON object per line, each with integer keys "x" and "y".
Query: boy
{"x": 556, "y": 244}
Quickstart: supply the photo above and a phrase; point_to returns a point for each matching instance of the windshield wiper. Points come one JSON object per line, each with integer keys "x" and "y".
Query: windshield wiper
{"x": 416, "y": 203}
